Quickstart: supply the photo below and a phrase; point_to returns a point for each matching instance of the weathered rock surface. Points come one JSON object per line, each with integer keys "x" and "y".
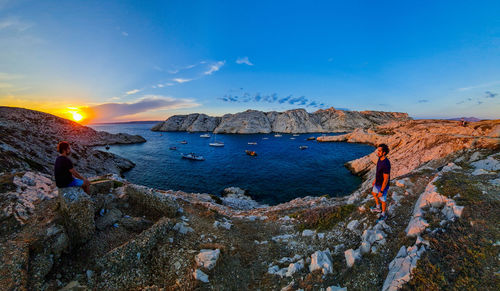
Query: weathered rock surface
{"x": 400, "y": 268}
{"x": 415, "y": 142}
{"x": 29, "y": 140}
{"x": 77, "y": 210}
{"x": 290, "y": 121}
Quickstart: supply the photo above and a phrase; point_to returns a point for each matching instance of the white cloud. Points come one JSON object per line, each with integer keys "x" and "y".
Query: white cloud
{"x": 244, "y": 60}
{"x": 214, "y": 67}
{"x": 124, "y": 33}
{"x": 181, "y": 80}
{"x": 14, "y": 23}
{"x": 133, "y": 91}
{"x": 114, "y": 111}
{"x": 479, "y": 86}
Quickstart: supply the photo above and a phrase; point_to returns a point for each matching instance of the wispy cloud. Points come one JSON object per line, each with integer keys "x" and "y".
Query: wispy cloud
{"x": 14, "y": 23}
{"x": 423, "y": 101}
{"x": 133, "y": 91}
{"x": 124, "y": 33}
{"x": 271, "y": 98}
{"x": 9, "y": 77}
{"x": 114, "y": 111}
{"x": 214, "y": 67}
{"x": 488, "y": 95}
{"x": 244, "y": 60}
{"x": 181, "y": 80}
{"x": 479, "y": 86}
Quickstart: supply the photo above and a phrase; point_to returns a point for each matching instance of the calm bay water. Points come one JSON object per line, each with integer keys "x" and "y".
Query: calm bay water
{"x": 279, "y": 173}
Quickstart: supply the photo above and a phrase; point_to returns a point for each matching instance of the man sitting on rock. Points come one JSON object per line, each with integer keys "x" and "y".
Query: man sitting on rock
{"x": 381, "y": 182}
{"x": 65, "y": 173}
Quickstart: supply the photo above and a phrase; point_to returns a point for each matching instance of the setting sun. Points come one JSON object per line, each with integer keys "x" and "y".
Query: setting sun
{"x": 77, "y": 116}
{"x": 75, "y": 113}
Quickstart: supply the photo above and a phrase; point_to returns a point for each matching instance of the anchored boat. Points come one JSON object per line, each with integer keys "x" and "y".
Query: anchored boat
{"x": 251, "y": 153}
{"x": 193, "y": 156}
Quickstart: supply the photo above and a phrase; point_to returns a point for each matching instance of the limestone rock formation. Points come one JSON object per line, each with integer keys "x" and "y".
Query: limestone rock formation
{"x": 415, "y": 142}
{"x": 290, "y": 121}
{"x": 29, "y": 139}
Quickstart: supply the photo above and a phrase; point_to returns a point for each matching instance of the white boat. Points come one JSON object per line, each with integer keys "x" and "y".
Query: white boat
{"x": 206, "y": 135}
{"x": 252, "y": 143}
{"x": 265, "y": 138}
{"x": 277, "y": 135}
{"x": 216, "y": 143}
{"x": 193, "y": 156}
{"x": 292, "y": 138}
{"x": 295, "y": 135}
{"x": 303, "y": 147}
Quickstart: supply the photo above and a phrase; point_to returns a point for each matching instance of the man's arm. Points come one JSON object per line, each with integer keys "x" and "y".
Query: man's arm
{"x": 386, "y": 181}
{"x": 76, "y": 174}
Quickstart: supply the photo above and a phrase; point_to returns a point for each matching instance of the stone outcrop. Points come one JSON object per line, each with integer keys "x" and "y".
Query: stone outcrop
{"x": 77, "y": 211}
{"x": 415, "y": 142}
{"x": 29, "y": 139}
{"x": 400, "y": 268}
{"x": 290, "y": 121}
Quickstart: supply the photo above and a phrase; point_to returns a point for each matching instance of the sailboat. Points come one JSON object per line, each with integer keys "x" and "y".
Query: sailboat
{"x": 216, "y": 143}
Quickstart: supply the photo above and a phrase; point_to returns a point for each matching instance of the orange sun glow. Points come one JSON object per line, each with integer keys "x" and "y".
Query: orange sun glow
{"x": 75, "y": 114}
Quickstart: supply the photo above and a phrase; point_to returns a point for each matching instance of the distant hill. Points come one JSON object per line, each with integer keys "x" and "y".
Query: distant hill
{"x": 468, "y": 119}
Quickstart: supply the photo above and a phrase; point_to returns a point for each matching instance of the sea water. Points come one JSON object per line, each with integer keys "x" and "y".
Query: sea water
{"x": 280, "y": 172}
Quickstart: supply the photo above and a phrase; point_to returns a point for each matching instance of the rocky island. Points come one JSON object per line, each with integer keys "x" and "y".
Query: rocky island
{"x": 442, "y": 231}
{"x": 290, "y": 121}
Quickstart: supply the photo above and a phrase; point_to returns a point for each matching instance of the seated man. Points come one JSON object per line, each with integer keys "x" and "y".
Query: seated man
{"x": 65, "y": 173}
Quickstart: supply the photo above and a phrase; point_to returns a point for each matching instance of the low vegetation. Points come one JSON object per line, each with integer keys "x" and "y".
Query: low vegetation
{"x": 321, "y": 219}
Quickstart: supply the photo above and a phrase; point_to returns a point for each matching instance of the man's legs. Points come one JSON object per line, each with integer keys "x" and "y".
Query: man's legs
{"x": 86, "y": 187}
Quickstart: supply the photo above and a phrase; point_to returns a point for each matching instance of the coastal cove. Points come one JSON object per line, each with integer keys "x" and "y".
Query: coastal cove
{"x": 279, "y": 173}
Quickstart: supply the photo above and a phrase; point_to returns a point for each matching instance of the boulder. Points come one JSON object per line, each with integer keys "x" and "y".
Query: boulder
{"x": 200, "y": 276}
{"x": 351, "y": 256}
{"x": 400, "y": 268}
{"x": 321, "y": 260}
{"x": 152, "y": 202}
{"x": 101, "y": 187}
{"x": 136, "y": 224}
{"x": 77, "y": 211}
{"x": 207, "y": 258}
{"x": 294, "y": 268}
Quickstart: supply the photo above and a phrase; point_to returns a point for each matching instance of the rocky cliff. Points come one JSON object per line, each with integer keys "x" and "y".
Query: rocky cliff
{"x": 442, "y": 232}
{"x": 29, "y": 140}
{"x": 291, "y": 121}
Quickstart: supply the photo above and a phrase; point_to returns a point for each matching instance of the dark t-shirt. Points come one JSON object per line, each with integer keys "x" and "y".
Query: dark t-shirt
{"x": 383, "y": 167}
{"x": 61, "y": 171}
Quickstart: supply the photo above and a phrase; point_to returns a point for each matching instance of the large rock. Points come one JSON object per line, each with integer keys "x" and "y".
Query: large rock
{"x": 77, "y": 210}
{"x": 321, "y": 260}
{"x": 29, "y": 139}
{"x": 290, "y": 121}
{"x": 413, "y": 143}
{"x": 152, "y": 202}
{"x": 400, "y": 268}
{"x": 207, "y": 258}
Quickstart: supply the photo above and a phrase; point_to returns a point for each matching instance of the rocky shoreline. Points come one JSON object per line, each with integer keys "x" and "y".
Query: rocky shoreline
{"x": 290, "y": 121}
{"x": 29, "y": 140}
{"x": 443, "y": 211}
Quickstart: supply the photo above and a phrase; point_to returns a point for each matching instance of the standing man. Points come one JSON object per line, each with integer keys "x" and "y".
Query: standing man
{"x": 381, "y": 182}
{"x": 65, "y": 173}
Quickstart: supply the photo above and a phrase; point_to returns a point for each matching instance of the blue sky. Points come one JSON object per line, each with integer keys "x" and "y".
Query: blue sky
{"x": 147, "y": 60}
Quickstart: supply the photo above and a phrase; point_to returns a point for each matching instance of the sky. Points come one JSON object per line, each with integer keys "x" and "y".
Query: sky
{"x": 111, "y": 61}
